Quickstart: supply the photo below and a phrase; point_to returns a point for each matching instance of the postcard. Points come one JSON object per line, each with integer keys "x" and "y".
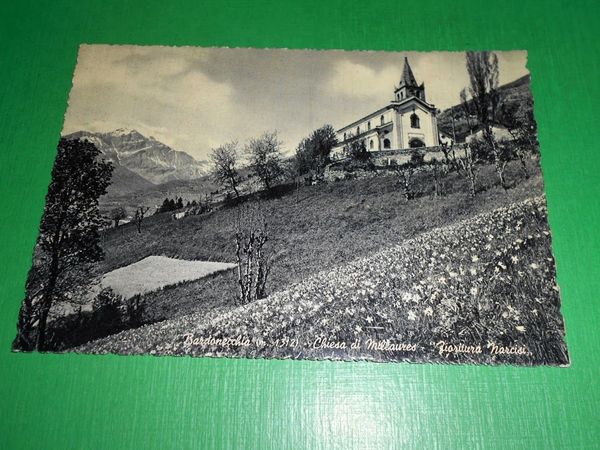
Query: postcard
{"x": 298, "y": 204}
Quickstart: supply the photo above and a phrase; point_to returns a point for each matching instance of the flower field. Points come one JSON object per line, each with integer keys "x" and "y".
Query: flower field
{"x": 481, "y": 290}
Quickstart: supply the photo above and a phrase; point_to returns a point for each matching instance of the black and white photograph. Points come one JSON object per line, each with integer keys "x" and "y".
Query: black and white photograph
{"x": 297, "y": 204}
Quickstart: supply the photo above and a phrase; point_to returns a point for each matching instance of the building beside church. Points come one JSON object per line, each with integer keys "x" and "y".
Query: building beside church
{"x": 407, "y": 121}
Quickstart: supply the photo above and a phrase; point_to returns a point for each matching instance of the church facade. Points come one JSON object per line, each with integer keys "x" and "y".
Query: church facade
{"x": 407, "y": 121}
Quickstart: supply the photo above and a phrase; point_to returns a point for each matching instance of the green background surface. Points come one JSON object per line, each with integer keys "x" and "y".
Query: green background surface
{"x": 77, "y": 401}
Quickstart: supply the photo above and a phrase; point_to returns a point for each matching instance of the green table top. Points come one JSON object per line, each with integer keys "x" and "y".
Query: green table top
{"x": 77, "y": 401}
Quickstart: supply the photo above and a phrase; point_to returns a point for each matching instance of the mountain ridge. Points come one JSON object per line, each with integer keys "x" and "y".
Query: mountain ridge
{"x": 146, "y": 157}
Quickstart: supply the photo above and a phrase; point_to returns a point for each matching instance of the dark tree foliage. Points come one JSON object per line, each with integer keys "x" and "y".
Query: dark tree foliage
{"x": 117, "y": 214}
{"x": 69, "y": 234}
{"x": 357, "y": 150}
{"x": 312, "y": 154}
{"x": 170, "y": 204}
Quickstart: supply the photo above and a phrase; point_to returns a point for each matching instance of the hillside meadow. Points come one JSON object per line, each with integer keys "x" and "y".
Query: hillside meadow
{"x": 315, "y": 228}
{"x": 480, "y": 290}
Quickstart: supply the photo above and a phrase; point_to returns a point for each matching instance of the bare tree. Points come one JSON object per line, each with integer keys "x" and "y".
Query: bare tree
{"x": 468, "y": 164}
{"x": 518, "y": 119}
{"x": 483, "y": 76}
{"x": 405, "y": 173}
{"x": 265, "y": 158}
{"x": 467, "y": 109}
{"x": 254, "y": 260}
{"x": 438, "y": 170}
{"x": 140, "y": 212}
{"x": 293, "y": 171}
{"x": 224, "y": 170}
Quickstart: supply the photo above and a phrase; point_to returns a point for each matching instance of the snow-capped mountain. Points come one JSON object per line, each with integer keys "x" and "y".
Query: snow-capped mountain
{"x": 145, "y": 156}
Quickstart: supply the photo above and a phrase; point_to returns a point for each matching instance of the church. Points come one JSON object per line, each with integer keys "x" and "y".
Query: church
{"x": 407, "y": 121}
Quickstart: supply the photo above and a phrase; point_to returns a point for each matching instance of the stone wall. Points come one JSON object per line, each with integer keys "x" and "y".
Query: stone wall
{"x": 381, "y": 161}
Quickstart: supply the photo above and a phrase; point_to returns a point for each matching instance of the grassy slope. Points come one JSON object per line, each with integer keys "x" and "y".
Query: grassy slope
{"x": 488, "y": 280}
{"x": 328, "y": 226}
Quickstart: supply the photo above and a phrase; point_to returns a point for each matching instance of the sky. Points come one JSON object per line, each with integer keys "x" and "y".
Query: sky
{"x": 195, "y": 99}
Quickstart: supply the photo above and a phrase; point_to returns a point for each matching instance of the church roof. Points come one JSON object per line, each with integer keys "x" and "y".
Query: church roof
{"x": 391, "y": 105}
{"x": 408, "y": 78}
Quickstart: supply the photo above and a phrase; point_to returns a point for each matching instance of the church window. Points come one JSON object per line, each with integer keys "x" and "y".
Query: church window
{"x": 386, "y": 143}
{"x": 381, "y": 119}
{"x": 414, "y": 121}
{"x": 357, "y": 130}
{"x": 402, "y": 95}
{"x": 344, "y": 136}
{"x": 369, "y": 125}
{"x": 371, "y": 144}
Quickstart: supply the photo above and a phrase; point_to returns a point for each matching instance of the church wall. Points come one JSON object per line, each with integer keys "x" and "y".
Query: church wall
{"x": 398, "y": 130}
{"x": 427, "y": 131}
{"x": 363, "y": 126}
{"x": 435, "y": 133}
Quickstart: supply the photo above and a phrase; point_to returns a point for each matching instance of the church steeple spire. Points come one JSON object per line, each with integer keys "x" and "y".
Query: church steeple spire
{"x": 408, "y": 85}
{"x": 408, "y": 78}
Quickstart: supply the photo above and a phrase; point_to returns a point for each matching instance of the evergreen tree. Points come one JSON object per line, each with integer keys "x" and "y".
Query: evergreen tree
{"x": 69, "y": 233}
{"x": 165, "y": 205}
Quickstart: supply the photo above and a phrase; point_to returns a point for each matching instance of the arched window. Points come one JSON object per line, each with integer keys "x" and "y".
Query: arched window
{"x": 387, "y": 143}
{"x": 381, "y": 119}
{"x": 402, "y": 95}
{"x": 344, "y": 136}
{"x": 416, "y": 143}
{"x": 414, "y": 121}
{"x": 358, "y": 130}
{"x": 371, "y": 144}
{"x": 369, "y": 125}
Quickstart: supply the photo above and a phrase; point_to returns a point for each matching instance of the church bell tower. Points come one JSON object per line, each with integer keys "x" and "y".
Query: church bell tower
{"x": 408, "y": 86}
